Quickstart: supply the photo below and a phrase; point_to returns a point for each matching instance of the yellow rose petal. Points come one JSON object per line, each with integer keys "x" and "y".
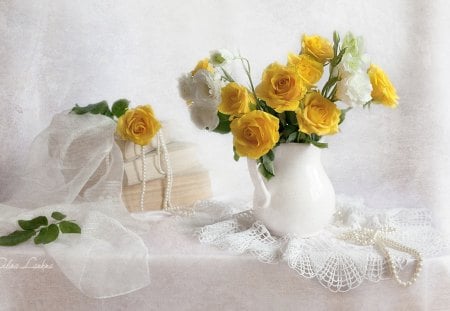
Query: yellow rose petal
{"x": 281, "y": 88}
{"x": 203, "y": 64}
{"x": 138, "y": 125}
{"x": 383, "y": 91}
{"x": 318, "y": 116}
{"x": 255, "y": 133}
{"x": 307, "y": 67}
{"x": 235, "y": 99}
{"x": 318, "y": 47}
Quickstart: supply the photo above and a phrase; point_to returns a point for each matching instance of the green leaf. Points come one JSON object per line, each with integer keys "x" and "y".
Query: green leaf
{"x": 319, "y": 144}
{"x": 262, "y": 105}
{"x": 270, "y": 155}
{"x": 47, "y": 234}
{"x": 336, "y": 37}
{"x": 69, "y": 227}
{"x": 291, "y": 117}
{"x": 58, "y": 216}
{"x": 292, "y": 137}
{"x": 288, "y": 129}
{"x": 333, "y": 92}
{"x": 336, "y": 40}
{"x": 227, "y": 76}
{"x": 224, "y": 123}
{"x": 343, "y": 114}
{"x": 267, "y": 162}
{"x": 337, "y": 59}
{"x": 16, "y": 237}
{"x": 315, "y": 137}
{"x": 119, "y": 107}
{"x": 236, "y": 157}
{"x": 264, "y": 172}
{"x": 303, "y": 138}
{"x": 33, "y": 223}
{"x": 98, "y": 108}
{"x": 282, "y": 118}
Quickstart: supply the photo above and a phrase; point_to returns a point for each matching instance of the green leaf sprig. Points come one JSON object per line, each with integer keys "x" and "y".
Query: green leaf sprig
{"x": 118, "y": 108}
{"x": 40, "y": 228}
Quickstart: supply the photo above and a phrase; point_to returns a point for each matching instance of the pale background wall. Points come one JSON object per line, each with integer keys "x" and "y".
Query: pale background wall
{"x": 57, "y": 53}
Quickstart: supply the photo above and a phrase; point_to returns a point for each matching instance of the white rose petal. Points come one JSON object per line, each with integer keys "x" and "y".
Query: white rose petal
{"x": 350, "y": 64}
{"x": 354, "y": 89}
{"x": 186, "y": 87}
{"x": 204, "y": 117}
{"x": 354, "y": 58}
{"x": 206, "y": 89}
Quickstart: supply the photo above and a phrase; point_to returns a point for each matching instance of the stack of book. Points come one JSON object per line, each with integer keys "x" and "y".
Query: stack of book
{"x": 190, "y": 179}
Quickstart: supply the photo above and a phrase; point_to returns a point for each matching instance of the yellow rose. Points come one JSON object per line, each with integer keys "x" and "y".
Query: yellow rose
{"x": 281, "y": 88}
{"x": 138, "y": 125}
{"x": 203, "y": 64}
{"x": 318, "y": 47}
{"x": 255, "y": 133}
{"x": 318, "y": 116}
{"x": 307, "y": 67}
{"x": 382, "y": 89}
{"x": 235, "y": 99}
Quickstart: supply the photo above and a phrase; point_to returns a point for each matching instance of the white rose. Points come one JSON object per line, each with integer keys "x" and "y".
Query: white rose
{"x": 206, "y": 97}
{"x": 220, "y": 57}
{"x": 354, "y": 89}
{"x": 206, "y": 89}
{"x": 350, "y": 64}
{"x": 354, "y": 58}
{"x": 204, "y": 117}
{"x": 186, "y": 88}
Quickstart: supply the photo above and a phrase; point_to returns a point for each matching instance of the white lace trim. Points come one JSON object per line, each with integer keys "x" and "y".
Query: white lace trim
{"x": 337, "y": 264}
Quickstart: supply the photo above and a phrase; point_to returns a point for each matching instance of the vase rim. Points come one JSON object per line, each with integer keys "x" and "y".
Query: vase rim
{"x": 302, "y": 145}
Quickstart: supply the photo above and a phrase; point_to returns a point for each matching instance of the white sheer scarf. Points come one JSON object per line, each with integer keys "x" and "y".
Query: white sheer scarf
{"x": 76, "y": 168}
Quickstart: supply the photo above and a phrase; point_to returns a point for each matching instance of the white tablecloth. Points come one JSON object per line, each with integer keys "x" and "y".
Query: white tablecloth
{"x": 186, "y": 275}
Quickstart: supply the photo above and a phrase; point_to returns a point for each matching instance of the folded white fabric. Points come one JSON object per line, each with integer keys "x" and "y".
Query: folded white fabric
{"x": 75, "y": 167}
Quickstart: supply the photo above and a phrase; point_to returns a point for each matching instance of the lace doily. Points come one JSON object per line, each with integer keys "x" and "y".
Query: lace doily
{"x": 337, "y": 264}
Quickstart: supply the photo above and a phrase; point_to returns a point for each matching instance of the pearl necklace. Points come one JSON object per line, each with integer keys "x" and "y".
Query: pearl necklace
{"x": 162, "y": 160}
{"x": 367, "y": 236}
{"x": 143, "y": 185}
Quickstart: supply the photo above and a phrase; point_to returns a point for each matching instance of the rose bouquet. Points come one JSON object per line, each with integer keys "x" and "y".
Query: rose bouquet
{"x": 287, "y": 106}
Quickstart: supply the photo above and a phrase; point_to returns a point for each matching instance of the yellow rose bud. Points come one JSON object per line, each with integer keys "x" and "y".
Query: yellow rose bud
{"x": 307, "y": 67}
{"x": 281, "y": 88}
{"x": 318, "y": 116}
{"x": 138, "y": 125}
{"x": 383, "y": 91}
{"x": 318, "y": 47}
{"x": 235, "y": 99}
{"x": 203, "y": 64}
{"x": 255, "y": 133}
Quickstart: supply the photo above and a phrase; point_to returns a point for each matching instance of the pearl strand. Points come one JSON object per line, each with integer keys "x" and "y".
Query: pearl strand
{"x": 107, "y": 161}
{"x": 167, "y": 200}
{"x": 143, "y": 179}
{"x": 367, "y": 236}
{"x": 383, "y": 242}
{"x": 158, "y": 159}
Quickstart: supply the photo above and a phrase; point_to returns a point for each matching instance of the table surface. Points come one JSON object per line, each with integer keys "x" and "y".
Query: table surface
{"x": 186, "y": 275}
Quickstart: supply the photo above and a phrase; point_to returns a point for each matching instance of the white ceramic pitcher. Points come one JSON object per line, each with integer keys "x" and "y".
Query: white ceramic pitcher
{"x": 300, "y": 198}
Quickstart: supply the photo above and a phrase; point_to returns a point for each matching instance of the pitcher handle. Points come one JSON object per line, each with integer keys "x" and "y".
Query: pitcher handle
{"x": 261, "y": 197}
